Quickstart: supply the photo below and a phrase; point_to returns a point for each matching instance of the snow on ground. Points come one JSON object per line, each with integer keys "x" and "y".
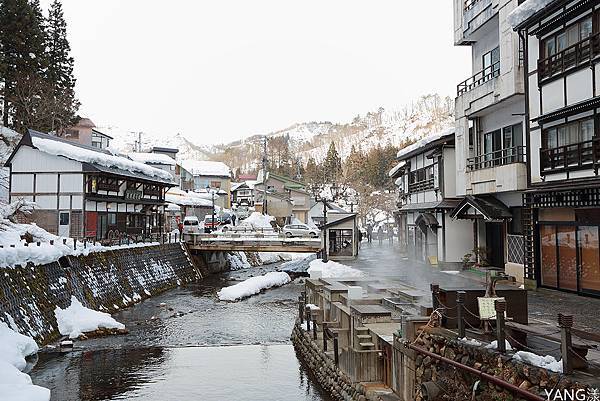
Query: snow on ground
{"x": 494, "y": 345}
{"x": 14, "y": 384}
{"x": 253, "y": 285}
{"x": 470, "y": 341}
{"x": 273, "y": 257}
{"x": 20, "y": 254}
{"x": 450, "y": 271}
{"x": 77, "y": 320}
{"x": 237, "y": 260}
{"x": 55, "y": 147}
{"x": 525, "y": 11}
{"x": 547, "y": 362}
{"x": 258, "y": 220}
{"x": 333, "y": 269}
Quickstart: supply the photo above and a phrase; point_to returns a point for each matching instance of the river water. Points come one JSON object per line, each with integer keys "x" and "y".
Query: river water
{"x": 185, "y": 344}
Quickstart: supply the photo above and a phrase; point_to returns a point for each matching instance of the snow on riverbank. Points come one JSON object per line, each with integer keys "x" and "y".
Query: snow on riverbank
{"x": 23, "y": 253}
{"x": 77, "y": 320}
{"x": 547, "y": 362}
{"x": 253, "y": 285}
{"x": 14, "y": 384}
{"x": 333, "y": 269}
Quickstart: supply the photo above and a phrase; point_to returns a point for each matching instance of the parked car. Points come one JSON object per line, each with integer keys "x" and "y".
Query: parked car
{"x": 300, "y": 230}
{"x": 191, "y": 225}
{"x": 210, "y": 224}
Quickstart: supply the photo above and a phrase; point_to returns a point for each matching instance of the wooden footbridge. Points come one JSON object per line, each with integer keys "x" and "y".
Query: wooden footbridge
{"x": 251, "y": 243}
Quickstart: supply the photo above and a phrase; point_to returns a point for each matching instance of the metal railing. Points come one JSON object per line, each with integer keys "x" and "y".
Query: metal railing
{"x": 570, "y": 157}
{"x": 579, "y": 53}
{"x": 469, "y": 4}
{"x": 500, "y": 157}
{"x": 478, "y": 79}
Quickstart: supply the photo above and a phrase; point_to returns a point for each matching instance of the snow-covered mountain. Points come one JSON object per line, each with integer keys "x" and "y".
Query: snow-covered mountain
{"x": 398, "y": 127}
{"x": 126, "y": 140}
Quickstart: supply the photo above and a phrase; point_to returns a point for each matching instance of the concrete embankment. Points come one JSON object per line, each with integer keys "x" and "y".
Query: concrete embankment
{"x": 105, "y": 281}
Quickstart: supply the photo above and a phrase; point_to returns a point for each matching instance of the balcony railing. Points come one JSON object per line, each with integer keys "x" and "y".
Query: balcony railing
{"x": 570, "y": 157}
{"x": 497, "y": 158}
{"x": 573, "y": 56}
{"x": 421, "y": 185}
{"x": 480, "y": 78}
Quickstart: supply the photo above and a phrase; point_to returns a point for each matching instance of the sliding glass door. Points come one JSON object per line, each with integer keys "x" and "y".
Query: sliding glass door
{"x": 589, "y": 257}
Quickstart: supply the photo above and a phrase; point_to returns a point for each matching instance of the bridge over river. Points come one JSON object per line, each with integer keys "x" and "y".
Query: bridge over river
{"x": 251, "y": 242}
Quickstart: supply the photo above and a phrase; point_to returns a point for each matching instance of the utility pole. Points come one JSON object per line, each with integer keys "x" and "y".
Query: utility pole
{"x": 264, "y": 176}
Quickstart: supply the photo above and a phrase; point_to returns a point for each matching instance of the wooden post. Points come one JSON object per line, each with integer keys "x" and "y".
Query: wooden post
{"x": 307, "y": 311}
{"x": 435, "y": 291}
{"x": 500, "y": 306}
{"x": 324, "y": 337}
{"x": 314, "y": 327}
{"x": 300, "y": 309}
{"x": 169, "y": 238}
{"x": 460, "y": 319}
{"x": 335, "y": 349}
{"x": 74, "y": 243}
{"x": 51, "y": 242}
{"x": 565, "y": 322}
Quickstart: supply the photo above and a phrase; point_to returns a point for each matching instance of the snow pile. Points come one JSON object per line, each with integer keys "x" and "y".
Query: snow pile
{"x": 333, "y": 269}
{"x": 237, "y": 261}
{"x": 59, "y": 148}
{"x": 21, "y": 255}
{"x": 299, "y": 263}
{"x": 15, "y": 385}
{"x": 253, "y": 285}
{"x": 547, "y": 362}
{"x": 268, "y": 258}
{"x": 424, "y": 141}
{"x": 257, "y": 220}
{"x": 525, "y": 11}
{"x": 494, "y": 345}
{"x": 207, "y": 168}
{"x": 77, "y": 320}
{"x": 152, "y": 158}
{"x": 470, "y": 341}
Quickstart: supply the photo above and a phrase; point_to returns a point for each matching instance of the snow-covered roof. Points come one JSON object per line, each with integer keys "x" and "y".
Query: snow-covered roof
{"x": 152, "y": 158}
{"x": 525, "y": 11}
{"x": 398, "y": 181}
{"x": 182, "y": 198}
{"x": 424, "y": 142}
{"x": 398, "y": 166}
{"x": 207, "y": 168}
{"x": 87, "y": 154}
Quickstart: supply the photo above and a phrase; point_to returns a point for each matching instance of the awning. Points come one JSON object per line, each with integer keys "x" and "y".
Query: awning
{"x": 481, "y": 207}
{"x": 443, "y": 204}
{"x": 428, "y": 219}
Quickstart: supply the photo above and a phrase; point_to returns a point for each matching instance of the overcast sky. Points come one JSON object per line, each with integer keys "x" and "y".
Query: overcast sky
{"x": 216, "y": 71}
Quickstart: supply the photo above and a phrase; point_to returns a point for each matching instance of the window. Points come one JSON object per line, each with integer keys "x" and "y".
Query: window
{"x": 516, "y": 224}
{"x": 112, "y": 219}
{"x": 64, "y": 218}
{"x": 569, "y": 134}
{"x": 490, "y": 61}
{"x": 215, "y": 184}
{"x": 570, "y": 36}
{"x": 513, "y": 136}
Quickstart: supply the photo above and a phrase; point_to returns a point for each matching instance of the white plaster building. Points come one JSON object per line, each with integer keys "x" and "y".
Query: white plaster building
{"x": 491, "y": 166}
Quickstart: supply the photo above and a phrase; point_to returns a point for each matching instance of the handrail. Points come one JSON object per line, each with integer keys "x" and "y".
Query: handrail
{"x": 423, "y": 185}
{"x": 583, "y": 51}
{"x": 570, "y": 156}
{"x": 481, "y": 77}
{"x": 500, "y": 157}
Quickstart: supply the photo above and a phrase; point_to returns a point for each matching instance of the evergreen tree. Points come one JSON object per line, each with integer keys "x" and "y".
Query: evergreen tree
{"x": 61, "y": 100}
{"x": 354, "y": 166}
{"x": 332, "y": 165}
{"x": 22, "y": 65}
{"x": 311, "y": 172}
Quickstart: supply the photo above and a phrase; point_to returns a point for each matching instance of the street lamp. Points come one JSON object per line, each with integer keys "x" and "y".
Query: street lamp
{"x": 212, "y": 192}
{"x": 321, "y": 195}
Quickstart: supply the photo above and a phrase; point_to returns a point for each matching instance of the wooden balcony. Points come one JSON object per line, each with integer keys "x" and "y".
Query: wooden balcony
{"x": 419, "y": 186}
{"x": 573, "y": 56}
{"x": 483, "y": 76}
{"x": 577, "y": 156}
{"x": 500, "y": 157}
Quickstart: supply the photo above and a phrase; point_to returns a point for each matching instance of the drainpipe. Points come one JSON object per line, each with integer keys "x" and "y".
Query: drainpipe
{"x": 493, "y": 379}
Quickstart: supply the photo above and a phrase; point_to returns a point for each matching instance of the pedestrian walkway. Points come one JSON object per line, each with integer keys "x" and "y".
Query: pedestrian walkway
{"x": 386, "y": 261}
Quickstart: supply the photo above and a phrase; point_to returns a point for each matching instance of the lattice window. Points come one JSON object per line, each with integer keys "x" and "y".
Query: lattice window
{"x": 516, "y": 249}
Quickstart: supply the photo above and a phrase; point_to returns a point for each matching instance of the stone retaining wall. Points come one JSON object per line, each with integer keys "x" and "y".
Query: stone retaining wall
{"x": 332, "y": 379}
{"x": 458, "y": 384}
{"x": 104, "y": 281}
